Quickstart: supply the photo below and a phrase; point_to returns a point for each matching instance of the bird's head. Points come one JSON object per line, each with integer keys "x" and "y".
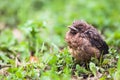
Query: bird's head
{"x": 78, "y": 27}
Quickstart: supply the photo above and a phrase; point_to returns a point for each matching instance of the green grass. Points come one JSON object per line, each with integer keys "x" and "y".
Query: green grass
{"x": 39, "y": 27}
{"x": 54, "y": 62}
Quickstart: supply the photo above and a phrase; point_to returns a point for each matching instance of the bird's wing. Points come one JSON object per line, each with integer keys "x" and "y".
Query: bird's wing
{"x": 97, "y": 41}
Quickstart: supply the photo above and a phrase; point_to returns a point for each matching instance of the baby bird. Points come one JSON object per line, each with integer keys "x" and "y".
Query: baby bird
{"x": 85, "y": 42}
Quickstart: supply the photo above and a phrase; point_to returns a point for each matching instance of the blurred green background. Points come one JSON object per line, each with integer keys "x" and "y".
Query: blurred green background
{"x": 39, "y": 26}
{"x": 58, "y": 14}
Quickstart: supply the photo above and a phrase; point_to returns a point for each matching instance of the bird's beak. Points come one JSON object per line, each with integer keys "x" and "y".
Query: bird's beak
{"x": 72, "y": 28}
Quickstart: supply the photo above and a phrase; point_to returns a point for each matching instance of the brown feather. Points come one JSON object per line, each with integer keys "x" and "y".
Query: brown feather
{"x": 85, "y": 42}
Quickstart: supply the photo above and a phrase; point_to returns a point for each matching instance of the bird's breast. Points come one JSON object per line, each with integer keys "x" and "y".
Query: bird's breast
{"x": 76, "y": 46}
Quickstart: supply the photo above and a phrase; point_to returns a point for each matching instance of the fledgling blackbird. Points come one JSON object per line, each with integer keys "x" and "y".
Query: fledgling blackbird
{"x": 85, "y": 42}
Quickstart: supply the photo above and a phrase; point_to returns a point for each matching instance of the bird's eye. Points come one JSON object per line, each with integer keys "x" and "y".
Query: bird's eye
{"x": 79, "y": 28}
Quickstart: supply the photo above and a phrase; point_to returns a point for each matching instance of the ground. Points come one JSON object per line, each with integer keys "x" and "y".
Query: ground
{"x": 32, "y": 45}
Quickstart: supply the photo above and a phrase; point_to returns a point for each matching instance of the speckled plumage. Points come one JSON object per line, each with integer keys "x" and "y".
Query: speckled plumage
{"x": 85, "y": 42}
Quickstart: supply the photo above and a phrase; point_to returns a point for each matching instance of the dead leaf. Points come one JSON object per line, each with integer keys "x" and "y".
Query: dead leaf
{"x": 33, "y": 59}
